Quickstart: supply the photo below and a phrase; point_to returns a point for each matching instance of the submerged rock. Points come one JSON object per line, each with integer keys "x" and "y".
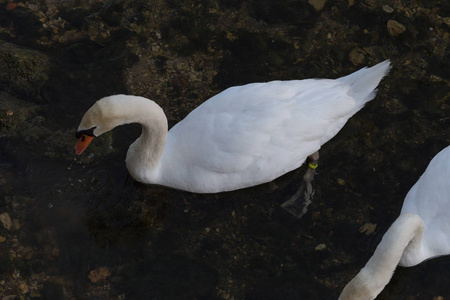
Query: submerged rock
{"x": 23, "y": 287}
{"x": 99, "y": 274}
{"x": 23, "y": 71}
{"x": 13, "y": 112}
{"x": 356, "y": 56}
{"x": 387, "y": 9}
{"x": 317, "y": 4}
{"x": 6, "y": 221}
{"x": 395, "y": 28}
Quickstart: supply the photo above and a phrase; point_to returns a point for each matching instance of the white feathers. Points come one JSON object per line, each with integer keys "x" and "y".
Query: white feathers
{"x": 244, "y": 136}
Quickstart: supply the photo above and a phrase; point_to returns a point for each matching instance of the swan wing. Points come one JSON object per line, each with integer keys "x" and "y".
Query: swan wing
{"x": 261, "y": 130}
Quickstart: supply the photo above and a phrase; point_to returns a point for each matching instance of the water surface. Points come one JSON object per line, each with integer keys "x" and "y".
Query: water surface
{"x": 83, "y": 229}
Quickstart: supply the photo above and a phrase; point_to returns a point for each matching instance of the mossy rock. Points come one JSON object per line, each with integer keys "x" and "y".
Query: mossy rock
{"x": 13, "y": 112}
{"x": 23, "y": 71}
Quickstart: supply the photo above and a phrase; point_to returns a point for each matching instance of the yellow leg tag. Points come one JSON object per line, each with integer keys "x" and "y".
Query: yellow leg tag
{"x": 313, "y": 166}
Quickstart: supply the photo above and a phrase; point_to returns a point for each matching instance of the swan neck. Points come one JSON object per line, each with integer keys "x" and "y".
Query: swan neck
{"x": 404, "y": 236}
{"x": 147, "y": 150}
{"x": 152, "y": 140}
{"x": 144, "y": 155}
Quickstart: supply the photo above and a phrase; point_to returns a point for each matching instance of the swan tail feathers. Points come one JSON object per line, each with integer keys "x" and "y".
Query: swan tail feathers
{"x": 363, "y": 82}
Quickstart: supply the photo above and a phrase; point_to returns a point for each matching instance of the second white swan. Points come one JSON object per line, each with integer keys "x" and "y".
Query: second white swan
{"x": 422, "y": 231}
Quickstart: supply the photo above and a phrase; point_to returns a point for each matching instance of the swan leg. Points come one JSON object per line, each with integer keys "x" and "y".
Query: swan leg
{"x": 298, "y": 204}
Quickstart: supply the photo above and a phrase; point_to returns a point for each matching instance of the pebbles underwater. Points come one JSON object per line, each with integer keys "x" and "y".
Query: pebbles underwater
{"x": 80, "y": 228}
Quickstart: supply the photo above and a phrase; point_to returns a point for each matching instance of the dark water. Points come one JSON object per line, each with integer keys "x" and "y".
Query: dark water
{"x": 76, "y": 215}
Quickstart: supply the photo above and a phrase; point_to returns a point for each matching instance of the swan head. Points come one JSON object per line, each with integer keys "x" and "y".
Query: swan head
{"x": 96, "y": 121}
{"x": 113, "y": 111}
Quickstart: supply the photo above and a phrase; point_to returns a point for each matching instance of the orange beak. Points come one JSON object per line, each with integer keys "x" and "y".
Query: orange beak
{"x": 82, "y": 143}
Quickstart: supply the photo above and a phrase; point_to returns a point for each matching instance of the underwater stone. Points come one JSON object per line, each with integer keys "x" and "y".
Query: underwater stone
{"x": 446, "y": 20}
{"x": 317, "y": 4}
{"x": 356, "y": 56}
{"x": 6, "y": 221}
{"x": 23, "y": 71}
{"x": 387, "y": 9}
{"x": 320, "y": 247}
{"x": 395, "y": 28}
{"x": 99, "y": 274}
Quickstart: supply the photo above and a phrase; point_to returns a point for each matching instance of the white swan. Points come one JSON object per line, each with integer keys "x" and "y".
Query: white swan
{"x": 244, "y": 136}
{"x": 422, "y": 231}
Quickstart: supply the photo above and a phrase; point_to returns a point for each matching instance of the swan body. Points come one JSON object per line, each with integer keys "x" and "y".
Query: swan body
{"x": 420, "y": 232}
{"x": 241, "y": 137}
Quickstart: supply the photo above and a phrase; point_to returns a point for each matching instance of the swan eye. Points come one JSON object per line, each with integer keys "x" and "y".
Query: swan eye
{"x": 82, "y": 133}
